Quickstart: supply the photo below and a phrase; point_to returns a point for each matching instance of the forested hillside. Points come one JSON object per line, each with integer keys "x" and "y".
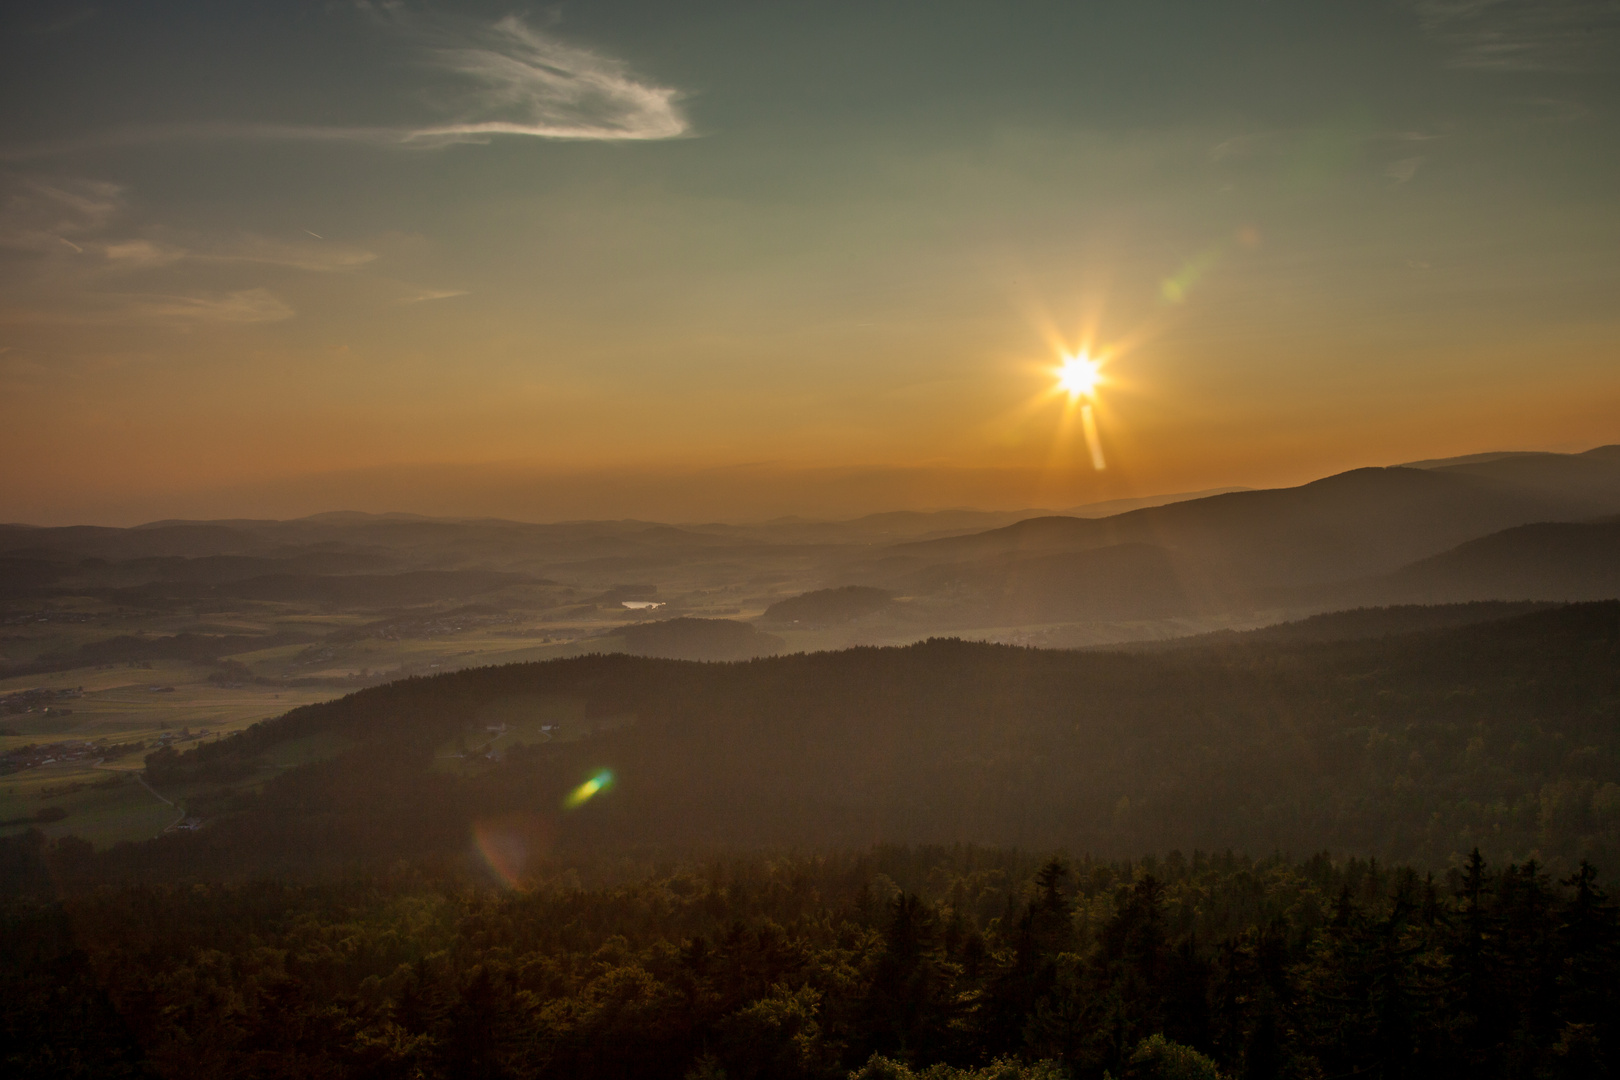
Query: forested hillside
{"x": 891, "y": 963}
{"x": 1415, "y": 747}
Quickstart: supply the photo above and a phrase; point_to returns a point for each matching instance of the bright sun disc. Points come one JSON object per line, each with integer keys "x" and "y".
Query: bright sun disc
{"x": 1078, "y": 375}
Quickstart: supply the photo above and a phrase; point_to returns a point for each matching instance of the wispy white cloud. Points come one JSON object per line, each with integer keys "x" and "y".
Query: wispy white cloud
{"x": 1342, "y": 145}
{"x": 144, "y": 253}
{"x": 522, "y": 82}
{"x": 83, "y": 216}
{"x": 325, "y": 257}
{"x": 243, "y": 306}
{"x": 69, "y": 255}
{"x": 141, "y": 254}
{"x": 1240, "y": 147}
{"x": 424, "y": 295}
{"x": 484, "y": 80}
{"x": 1525, "y": 35}
{"x": 40, "y": 215}
{"x": 1401, "y": 172}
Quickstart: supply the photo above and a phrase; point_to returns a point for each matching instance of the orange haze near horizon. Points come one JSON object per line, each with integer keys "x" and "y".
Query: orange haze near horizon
{"x": 734, "y": 264}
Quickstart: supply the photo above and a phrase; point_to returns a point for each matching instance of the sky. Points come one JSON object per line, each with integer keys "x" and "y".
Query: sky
{"x": 731, "y": 261}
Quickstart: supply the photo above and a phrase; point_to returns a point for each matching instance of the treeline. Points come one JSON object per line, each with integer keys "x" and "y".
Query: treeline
{"x": 1418, "y": 747}
{"x": 890, "y": 963}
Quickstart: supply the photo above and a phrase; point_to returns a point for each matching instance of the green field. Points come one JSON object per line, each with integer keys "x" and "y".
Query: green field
{"x": 104, "y": 815}
{"x": 128, "y": 704}
{"x": 124, "y": 705}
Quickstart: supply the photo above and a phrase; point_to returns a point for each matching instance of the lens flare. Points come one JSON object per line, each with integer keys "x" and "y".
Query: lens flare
{"x": 582, "y": 794}
{"x": 1177, "y": 286}
{"x": 510, "y": 845}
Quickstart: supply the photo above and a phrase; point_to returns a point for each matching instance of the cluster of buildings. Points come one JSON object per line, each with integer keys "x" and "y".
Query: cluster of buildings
{"x": 73, "y": 750}
{"x": 38, "y": 699}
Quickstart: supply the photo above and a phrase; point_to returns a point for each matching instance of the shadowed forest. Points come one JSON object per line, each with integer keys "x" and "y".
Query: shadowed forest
{"x": 889, "y": 964}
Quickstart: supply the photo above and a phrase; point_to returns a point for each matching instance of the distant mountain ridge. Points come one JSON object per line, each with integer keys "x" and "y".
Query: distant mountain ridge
{"x": 1356, "y": 538}
{"x": 1365, "y": 537}
{"x": 1564, "y": 561}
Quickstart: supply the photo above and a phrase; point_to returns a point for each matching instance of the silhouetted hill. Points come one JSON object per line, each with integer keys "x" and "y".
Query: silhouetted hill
{"x": 1118, "y": 581}
{"x": 1546, "y": 561}
{"x": 365, "y": 590}
{"x": 699, "y": 639}
{"x": 1504, "y": 734}
{"x": 829, "y": 606}
{"x": 25, "y": 576}
{"x": 1355, "y": 524}
{"x": 1593, "y": 476}
{"x": 216, "y": 569}
{"x": 1352, "y": 625}
{"x": 92, "y": 541}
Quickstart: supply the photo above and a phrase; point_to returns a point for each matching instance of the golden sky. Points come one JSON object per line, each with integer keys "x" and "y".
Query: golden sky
{"x": 721, "y": 261}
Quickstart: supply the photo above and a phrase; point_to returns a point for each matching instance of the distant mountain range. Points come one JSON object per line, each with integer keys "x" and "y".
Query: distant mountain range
{"x": 1402, "y": 534}
{"x": 1504, "y": 526}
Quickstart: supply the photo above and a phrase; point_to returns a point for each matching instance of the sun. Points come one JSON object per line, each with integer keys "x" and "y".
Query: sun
{"x": 1078, "y": 375}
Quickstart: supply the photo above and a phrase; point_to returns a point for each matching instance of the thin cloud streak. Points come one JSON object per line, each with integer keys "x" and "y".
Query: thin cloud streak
{"x": 1401, "y": 172}
{"x": 432, "y": 294}
{"x": 1525, "y": 35}
{"x": 244, "y": 306}
{"x": 322, "y": 258}
{"x": 38, "y": 216}
{"x": 505, "y": 79}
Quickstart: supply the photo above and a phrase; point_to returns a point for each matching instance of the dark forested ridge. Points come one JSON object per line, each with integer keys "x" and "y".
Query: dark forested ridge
{"x": 699, "y": 639}
{"x": 829, "y": 605}
{"x": 1416, "y": 747}
{"x": 954, "y": 964}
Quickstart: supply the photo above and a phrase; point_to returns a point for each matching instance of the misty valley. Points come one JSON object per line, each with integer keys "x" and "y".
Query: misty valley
{"x": 1297, "y": 782}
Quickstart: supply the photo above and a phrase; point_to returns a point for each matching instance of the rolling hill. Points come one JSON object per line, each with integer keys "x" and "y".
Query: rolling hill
{"x": 1545, "y": 561}
{"x": 1416, "y": 746}
{"x": 1354, "y": 524}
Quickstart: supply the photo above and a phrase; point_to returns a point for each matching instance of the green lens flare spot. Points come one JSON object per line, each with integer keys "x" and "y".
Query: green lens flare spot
{"x": 582, "y": 794}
